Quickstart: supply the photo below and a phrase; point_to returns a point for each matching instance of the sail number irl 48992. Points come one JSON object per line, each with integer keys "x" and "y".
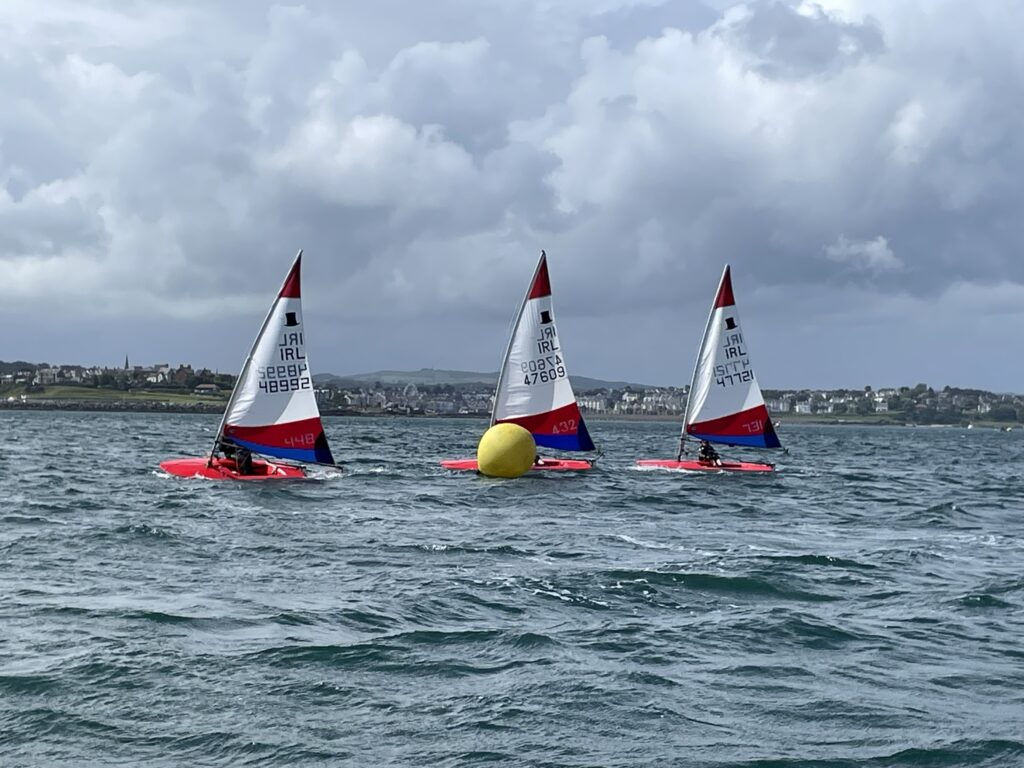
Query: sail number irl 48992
{"x": 283, "y": 378}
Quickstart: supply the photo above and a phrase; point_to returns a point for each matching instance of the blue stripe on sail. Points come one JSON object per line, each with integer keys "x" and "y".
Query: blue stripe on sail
{"x": 564, "y": 442}
{"x": 560, "y": 442}
{"x": 318, "y": 456}
{"x": 767, "y": 440}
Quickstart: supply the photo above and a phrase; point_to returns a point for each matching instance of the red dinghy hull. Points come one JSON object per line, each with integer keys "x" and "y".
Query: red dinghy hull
{"x": 693, "y": 465}
{"x": 545, "y": 465}
{"x": 224, "y": 469}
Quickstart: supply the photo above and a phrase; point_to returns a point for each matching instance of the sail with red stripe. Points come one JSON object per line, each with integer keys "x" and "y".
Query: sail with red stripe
{"x": 272, "y": 410}
{"x": 725, "y": 404}
{"x": 533, "y": 386}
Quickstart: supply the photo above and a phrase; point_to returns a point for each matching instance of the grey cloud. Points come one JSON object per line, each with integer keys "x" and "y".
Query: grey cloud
{"x": 874, "y": 255}
{"x": 43, "y": 224}
{"x": 800, "y": 41}
{"x": 166, "y": 160}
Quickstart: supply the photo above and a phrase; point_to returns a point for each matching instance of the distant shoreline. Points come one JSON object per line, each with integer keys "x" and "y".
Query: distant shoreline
{"x": 150, "y": 406}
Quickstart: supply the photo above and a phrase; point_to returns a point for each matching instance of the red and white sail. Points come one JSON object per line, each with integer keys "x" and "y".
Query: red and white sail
{"x": 725, "y": 404}
{"x": 272, "y": 410}
{"x": 533, "y": 386}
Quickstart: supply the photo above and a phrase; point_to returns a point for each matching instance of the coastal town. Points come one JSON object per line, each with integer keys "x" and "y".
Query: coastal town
{"x": 182, "y": 387}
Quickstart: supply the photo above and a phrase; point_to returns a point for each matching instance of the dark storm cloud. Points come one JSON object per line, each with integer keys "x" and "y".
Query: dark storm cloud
{"x": 160, "y": 163}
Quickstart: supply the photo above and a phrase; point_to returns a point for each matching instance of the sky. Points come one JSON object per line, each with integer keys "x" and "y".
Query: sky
{"x": 857, "y": 162}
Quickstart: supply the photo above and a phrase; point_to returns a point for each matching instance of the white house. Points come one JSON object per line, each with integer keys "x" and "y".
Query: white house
{"x": 593, "y": 404}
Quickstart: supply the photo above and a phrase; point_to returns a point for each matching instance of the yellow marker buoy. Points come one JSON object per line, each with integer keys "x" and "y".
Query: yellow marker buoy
{"x": 505, "y": 450}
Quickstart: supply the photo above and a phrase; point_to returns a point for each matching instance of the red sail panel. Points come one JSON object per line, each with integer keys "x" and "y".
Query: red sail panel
{"x": 297, "y": 440}
{"x": 751, "y": 427}
{"x": 724, "y": 297}
{"x": 541, "y": 283}
{"x": 292, "y": 288}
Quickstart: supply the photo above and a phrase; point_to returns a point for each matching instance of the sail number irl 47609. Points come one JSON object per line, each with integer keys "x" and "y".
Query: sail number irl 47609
{"x": 543, "y": 370}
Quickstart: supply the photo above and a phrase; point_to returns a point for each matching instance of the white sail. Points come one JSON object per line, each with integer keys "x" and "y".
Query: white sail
{"x": 273, "y": 408}
{"x": 534, "y": 390}
{"x": 725, "y": 403}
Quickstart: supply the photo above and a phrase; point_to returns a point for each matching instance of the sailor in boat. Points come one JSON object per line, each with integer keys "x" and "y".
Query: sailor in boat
{"x": 242, "y": 457}
{"x": 243, "y": 461}
{"x": 706, "y": 454}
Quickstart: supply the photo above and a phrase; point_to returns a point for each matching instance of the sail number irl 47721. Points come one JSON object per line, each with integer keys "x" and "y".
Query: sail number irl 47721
{"x": 736, "y": 366}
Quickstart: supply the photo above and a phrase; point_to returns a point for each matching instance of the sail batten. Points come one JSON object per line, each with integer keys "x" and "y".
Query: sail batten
{"x": 725, "y": 404}
{"x": 533, "y": 389}
{"x": 272, "y": 409}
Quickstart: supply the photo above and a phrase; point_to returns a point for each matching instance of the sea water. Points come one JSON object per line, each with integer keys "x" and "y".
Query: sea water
{"x": 862, "y": 607}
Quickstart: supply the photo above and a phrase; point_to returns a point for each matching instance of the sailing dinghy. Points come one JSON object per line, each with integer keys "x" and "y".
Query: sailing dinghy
{"x": 725, "y": 404}
{"x": 272, "y": 410}
{"x": 533, "y": 385}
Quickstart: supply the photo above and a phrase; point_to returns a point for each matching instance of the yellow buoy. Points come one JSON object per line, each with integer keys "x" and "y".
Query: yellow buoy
{"x": 505, "y": 450}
